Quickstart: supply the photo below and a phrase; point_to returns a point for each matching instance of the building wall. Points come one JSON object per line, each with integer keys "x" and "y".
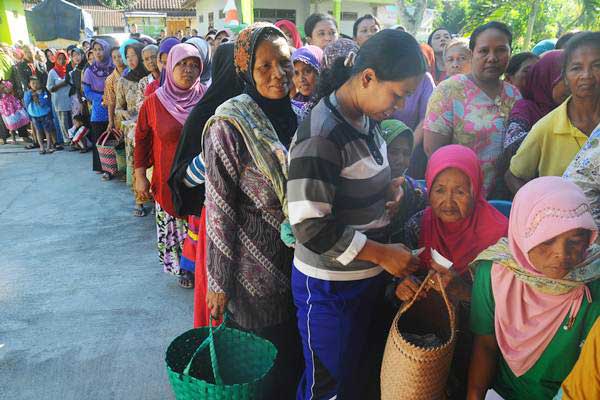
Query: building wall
{"x": 13, "y": 25}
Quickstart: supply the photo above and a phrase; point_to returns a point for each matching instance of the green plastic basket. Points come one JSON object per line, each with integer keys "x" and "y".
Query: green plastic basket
{"x": 220, "y": 364}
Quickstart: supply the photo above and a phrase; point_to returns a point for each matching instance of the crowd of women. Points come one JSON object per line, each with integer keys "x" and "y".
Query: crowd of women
{"x": 306, "y": 186}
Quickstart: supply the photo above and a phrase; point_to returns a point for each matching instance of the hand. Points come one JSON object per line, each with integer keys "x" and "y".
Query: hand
{"x": 142, "y": 185}
{"x": 395, "y": 195}
{"x": 216, "y": 302}
{"x": 446, "y": 275}
{"x": 398, "y": 260}
{"x": 407, "y": 289}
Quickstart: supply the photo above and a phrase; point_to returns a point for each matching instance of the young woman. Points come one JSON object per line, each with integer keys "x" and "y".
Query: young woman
{"x": 307, "y": 66}
{"x": 341, "y": 200}
{"x": 438, "y": 39}
{"x": 365, "y": 27}
{"x": 59, "y": 87}
{"x": 320, "y": 30}
{"x": 291, "y": 33}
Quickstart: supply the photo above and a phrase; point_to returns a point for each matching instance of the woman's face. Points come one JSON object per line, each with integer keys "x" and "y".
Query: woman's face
{"x": 457, "y": 61}
{"x": 90, "y": 57}
{"x": 48, "y": 54}
{"x": 491, "y": 55}
{"x": 149, "y": 59}
{"x": 556, "y": 257}
{"x": 288, "y": 35}
{"x": 162, "y": 61}
{"x": 61, "y": 59}
{"x": 305, "y": 78}
{"x": 76, "y": 57}
{"x": 132, "y": 58}
{"x": 186, "y": 72}
{"x": 439, "y": 40}
{"x": 367, "y": 28}
{"x": 450, "y": 197}
{"x": 379, "y": 99}
{"x": 325, "y": 32}
{"x": 98, "y": 51}
{"x": 583, "y": 73}
{"x": 272, "y": 71}
{"x": 519, "y": 79}
{"x": 399, "y": 152}
{"x": 117, "y": 59}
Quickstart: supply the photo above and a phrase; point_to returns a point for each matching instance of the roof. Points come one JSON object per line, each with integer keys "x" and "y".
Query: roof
{"x": 173, "y": 8}
{"x": 102, "y": 15}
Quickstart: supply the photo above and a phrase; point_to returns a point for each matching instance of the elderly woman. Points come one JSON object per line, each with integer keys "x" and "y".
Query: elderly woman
{"x": 457, "y": 57}
{"x": 94, "y": 79}
{"x": 245, "y": 148}
{"x": 438, "y": 40}
{"x": 163, "y": 52}
{"x": 307, "y": 67}
{"x": 554, "y": 140}
{"x": 472, "y": 109}
{"x": 532, "y": 297}
{"x": 150, "y": 60}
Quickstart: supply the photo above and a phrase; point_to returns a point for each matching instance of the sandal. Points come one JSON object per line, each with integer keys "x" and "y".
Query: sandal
{"x": 50, "y": 150}
{"x": 42, "y": 152}
{"x": 186, "y": 280}
{"x": 31, "y": 146}
{"x": 139, "y": 212}
{"x": 106, "y": 176}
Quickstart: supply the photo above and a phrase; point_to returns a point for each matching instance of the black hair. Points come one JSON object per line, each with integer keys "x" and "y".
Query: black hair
{"x": 113, "y": 49}
{"x": 499, "y": 26}
{"x": 361, "y": 19}
{"x": 561, "y": 43}
{"x": 81, "y": 118}
{"x": 313, "y": 20}
{"x": 581, "y": 39}
{"x": 402, "y": 59}
{"x": 33, "y": 78}
{"x": 517, "y": 60}
{"x": 441, "y": 28}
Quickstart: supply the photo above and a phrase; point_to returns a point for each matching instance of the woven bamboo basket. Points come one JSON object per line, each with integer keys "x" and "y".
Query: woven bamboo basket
{"x": 411, "y": 372}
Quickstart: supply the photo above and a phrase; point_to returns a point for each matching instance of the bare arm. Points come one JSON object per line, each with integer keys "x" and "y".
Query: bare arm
{"x": 483, "y": 366}
{"x": 433, "y": 141}
{"x": 514, "y": 183}
{"x": 418, "y": 135}
{"x": 395, "y": 258}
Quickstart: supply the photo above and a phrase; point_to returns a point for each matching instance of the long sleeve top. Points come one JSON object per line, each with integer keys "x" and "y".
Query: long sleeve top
{"x": 99, "y": 112}
{"x": 40, "y": 109}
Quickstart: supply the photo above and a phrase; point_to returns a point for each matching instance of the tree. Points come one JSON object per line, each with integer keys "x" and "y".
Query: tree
{"x": 410, "y": 14}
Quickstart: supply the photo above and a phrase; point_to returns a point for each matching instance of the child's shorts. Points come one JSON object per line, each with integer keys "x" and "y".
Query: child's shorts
{"x": 43, "y": 124}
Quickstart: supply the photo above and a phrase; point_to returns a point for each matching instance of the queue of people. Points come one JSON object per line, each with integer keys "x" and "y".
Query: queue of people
{"x": 304, "y": 186}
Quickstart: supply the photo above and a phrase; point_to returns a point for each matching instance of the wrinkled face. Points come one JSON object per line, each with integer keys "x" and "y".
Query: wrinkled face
{"x": 325, "y": 32}
{"x": 519, "y": 79}
{"x": 76, "y": 57}
{"x": 367, "y": 28}
{"x": 379, "y": 99}
{"x": 399, "y": 152}
{"x": 583, "y": 73}
{"x": 305, "y": 78}
{"x": 149, "y": 59}
{"x": 186, "y": 72}
{"x": 457, "y": 61}
{"x": 272, "y": 70}
{"x": 556, "y": 257}
{"x": 61, "y": 59}
{"x": 132, "y": 58}
{"x": 98, "y": 52}
{"x": 491, "y": 55}
{"x": 117, "y": 59}
{"x": 450, "y": 197}
{"x": 439, "y": 40}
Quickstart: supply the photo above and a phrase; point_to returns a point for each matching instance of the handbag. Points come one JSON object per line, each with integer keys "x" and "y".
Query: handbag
{"x": 220, "y": 364}
{"x": 106, "y": 145}
{"x": 16, "y": 120}
{"x": 410, "y": 371}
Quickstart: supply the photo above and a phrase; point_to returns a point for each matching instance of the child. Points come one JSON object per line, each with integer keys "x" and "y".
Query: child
{"x": 13, "y": 114}
{"x": 79, "y": 132}
{"x": 39, "y": 107}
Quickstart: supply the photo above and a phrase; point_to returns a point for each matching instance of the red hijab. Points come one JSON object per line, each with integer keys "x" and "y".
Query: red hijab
{"x": 429, "y": 55}
{"x": 463, "y": 240}
{"x": 61, "y": 70}
{"x": 290, "y": 26}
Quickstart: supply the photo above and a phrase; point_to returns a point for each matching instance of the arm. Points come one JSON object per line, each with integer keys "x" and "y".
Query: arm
{"x": 433, "y": 141}
{"x": 524, "y": 164}
{"x": 142, "y": 153}
{"x": 483, "y": 366}
{"x": 27, "y": 98}
{"x": 120, "y": 104}
{"x": 438, "y": 125}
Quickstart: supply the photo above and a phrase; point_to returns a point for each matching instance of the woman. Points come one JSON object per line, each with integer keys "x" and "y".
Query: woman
{"x": 341, "y": 200}
{"x": 94, "y": 80}
{"x": 320, "y": 30}
{"x": 532, "y": 296}
{"x": 472, "y": 109}
{"x": 163, "y": 52}
{"x": 438, "y": 39}
{"x": 544, "y": 46}
{"x": 149, "y": 58}
{"x": 365, "y": 27}
{"x": 126, "y": 111}
{"x": 457, "y": 57}
{"x": 518, "y": 69}
{"x": 307, "y": 66}
{"x": 291, "y": 33}
{"x": 59, "y": 88}
{"x": 555, "y": 139}
{"x": 206, "y": 55}
{"x": 50, "y": 58}
{"x": 244, "y": 148}
{"x": 78, "y": 103}
{"x": 158, "y": 130}
{"x": 187, "y": 174}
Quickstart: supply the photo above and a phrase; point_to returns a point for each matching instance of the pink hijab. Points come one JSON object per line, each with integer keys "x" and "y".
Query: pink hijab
{"x": 526, "y": 319}
{"x": 460, "y": 241}
{"x": 177, "y": 101}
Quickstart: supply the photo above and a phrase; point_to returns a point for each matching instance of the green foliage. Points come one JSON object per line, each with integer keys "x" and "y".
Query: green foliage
{"x": 118, "y": 4}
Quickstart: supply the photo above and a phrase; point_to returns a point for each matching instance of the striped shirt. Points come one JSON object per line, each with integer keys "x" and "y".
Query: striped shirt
{"x": 195, "y": 172}
{"x": 337, "y": 186}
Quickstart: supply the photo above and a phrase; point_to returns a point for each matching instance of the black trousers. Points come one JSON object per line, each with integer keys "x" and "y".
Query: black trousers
{"x": 97, "y": 128}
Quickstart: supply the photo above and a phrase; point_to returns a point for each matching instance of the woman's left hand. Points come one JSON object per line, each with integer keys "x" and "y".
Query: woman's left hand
{"x": 446, "y": 275}
{"x": 395, "y": 195}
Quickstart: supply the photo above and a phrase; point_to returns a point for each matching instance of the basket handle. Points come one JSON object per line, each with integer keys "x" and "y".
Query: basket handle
{"x": 209, "y": 342}
{"x": 103, "y": 138}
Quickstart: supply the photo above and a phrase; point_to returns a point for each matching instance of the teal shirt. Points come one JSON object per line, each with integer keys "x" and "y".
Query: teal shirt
{"x": 543, "y": 380}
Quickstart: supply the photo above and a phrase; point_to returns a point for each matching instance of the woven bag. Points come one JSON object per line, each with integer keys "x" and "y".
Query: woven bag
{"x": 121, "y": 161}
{"x": 220, "y": 364}
{"x": 411, "y": 372}
{"x": 106, "y": 144}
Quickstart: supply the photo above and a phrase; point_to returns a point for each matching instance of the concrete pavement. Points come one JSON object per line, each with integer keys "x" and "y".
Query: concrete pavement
{"x": 85, "y": 309}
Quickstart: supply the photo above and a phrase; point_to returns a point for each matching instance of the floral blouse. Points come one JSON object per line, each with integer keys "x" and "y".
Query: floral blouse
{"x": 584, "y": 171}
{"x": 459, "y": 109}
{"x": 127, "y": 100}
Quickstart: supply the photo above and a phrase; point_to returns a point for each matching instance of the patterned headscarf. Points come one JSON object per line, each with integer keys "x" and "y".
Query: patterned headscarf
{"x": 337, "y": 49}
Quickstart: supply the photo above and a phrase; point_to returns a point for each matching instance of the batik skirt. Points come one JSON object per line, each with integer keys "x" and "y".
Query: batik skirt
{"x": 171, "y": 233}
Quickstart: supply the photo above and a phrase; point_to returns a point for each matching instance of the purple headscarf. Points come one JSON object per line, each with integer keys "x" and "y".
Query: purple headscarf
{"x": 309, "y": 54}
{"x": 165, "y": 47}
{"x": 95, "y": 76}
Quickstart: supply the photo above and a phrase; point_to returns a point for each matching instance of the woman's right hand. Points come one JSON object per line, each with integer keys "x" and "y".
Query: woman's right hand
{"x": 398, "y": 260}
{"x": 142, "y": 185}
{"x": 216, "y": 302}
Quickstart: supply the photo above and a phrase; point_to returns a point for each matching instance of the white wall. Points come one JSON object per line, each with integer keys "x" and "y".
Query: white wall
{"x": 348, "y": 6}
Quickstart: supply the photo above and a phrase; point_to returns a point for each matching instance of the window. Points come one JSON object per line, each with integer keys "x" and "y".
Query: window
{"x": 347, "y": 15}
{"x": 201, "y": 18}
{"x": 271, "y": 15}
{"x": 211, "y": 20}
{"x": 221, "y": 14}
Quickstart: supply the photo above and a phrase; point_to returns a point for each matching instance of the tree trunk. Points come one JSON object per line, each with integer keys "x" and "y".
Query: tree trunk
{"x": 412, "y": 22}
{"x": 531, "y": 24}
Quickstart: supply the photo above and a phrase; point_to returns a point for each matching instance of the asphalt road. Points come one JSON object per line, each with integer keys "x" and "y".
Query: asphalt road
{"x": 85, "y": 309}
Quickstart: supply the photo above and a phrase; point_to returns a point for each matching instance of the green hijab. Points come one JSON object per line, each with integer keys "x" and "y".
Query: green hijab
{"x": 392, "y": 128}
